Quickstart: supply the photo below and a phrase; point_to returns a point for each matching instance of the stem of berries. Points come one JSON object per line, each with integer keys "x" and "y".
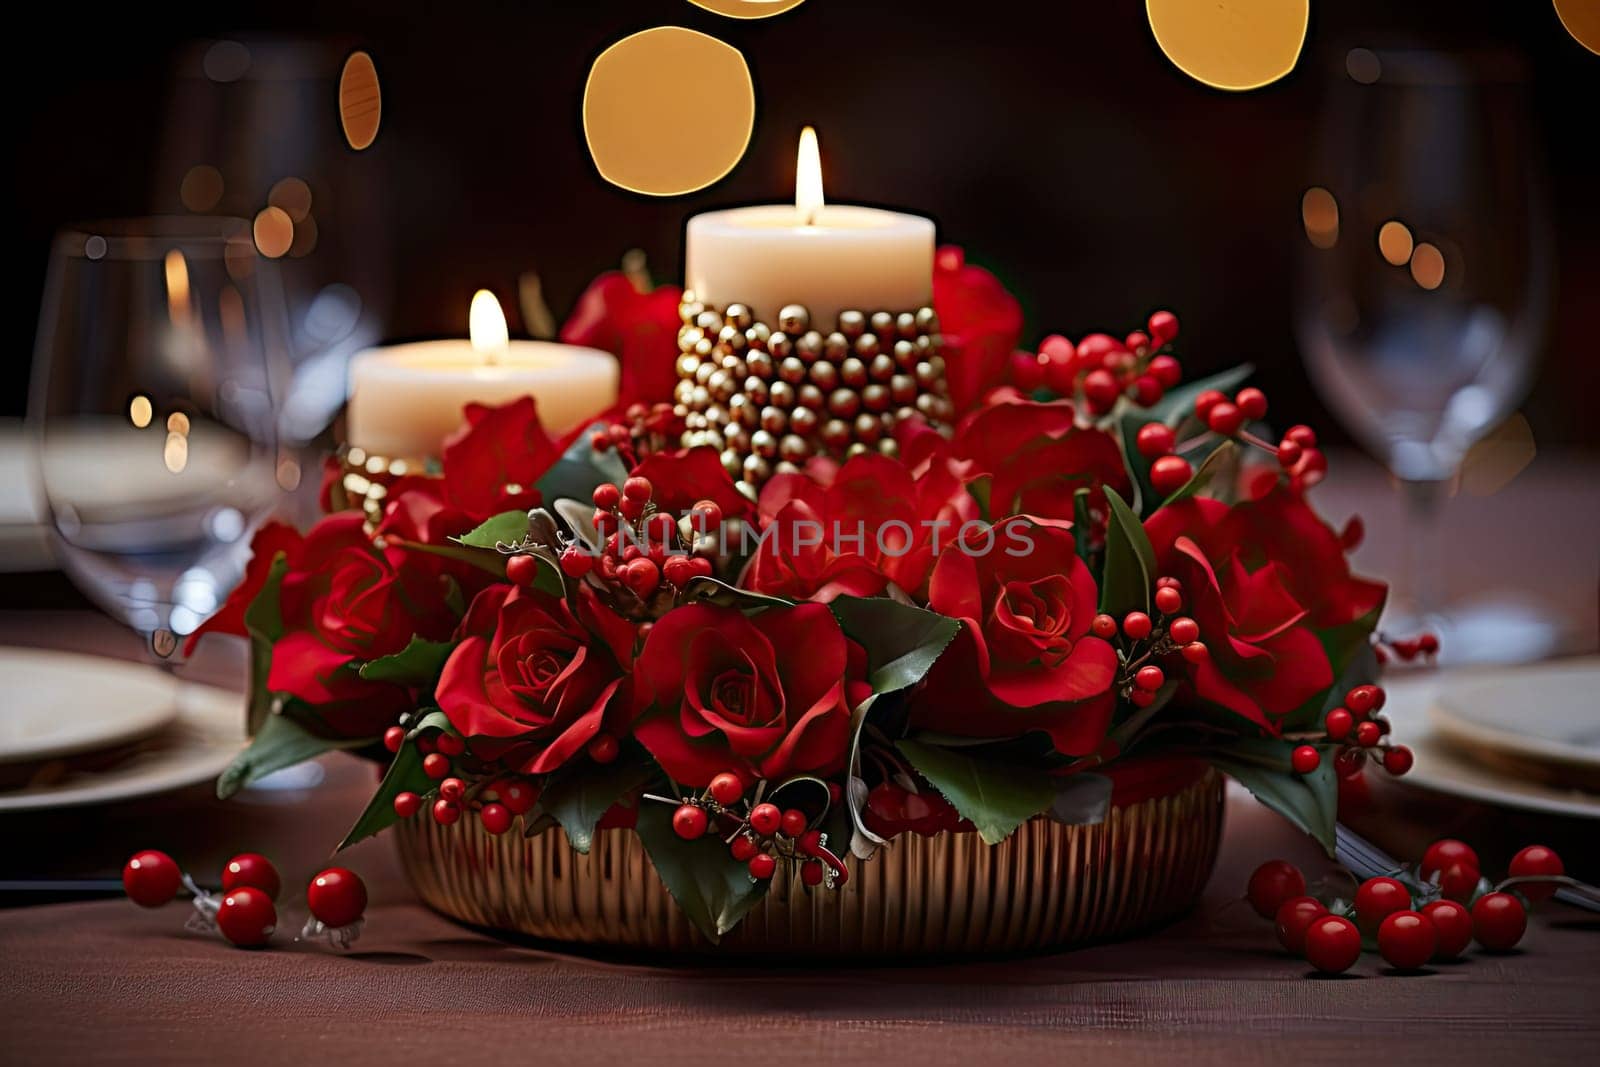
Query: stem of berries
{"x": 1139, "y": 640}
{"x": 1100, "y": 369}
{"x": 1361, "y": 733}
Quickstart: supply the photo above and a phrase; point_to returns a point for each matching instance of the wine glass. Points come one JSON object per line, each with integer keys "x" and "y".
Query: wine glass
{"x": 159, "y": 360}
{"x": 1424, "y": 282}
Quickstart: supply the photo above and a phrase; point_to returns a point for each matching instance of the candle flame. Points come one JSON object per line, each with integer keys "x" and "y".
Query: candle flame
{"x": 808, "y": 178}
{"x": 486, "y": 325}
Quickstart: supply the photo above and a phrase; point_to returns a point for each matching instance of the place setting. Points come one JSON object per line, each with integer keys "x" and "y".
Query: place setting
{"x": 729, "y": 546}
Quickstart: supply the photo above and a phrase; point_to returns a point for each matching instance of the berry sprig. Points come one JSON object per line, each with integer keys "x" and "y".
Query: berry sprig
{"x": 645, "y": 550}
{"x": 758, "y": 833}
{"x": 1100, "y": 369}
{"x": 1412, "y": 918}
{"x": 1361, "y": 733}
{"x": 1140, "y": 640}
{"x": 642, "y": 431}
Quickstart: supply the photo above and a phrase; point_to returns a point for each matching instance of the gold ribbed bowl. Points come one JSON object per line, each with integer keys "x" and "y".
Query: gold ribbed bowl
{"x": 1048, "y": 886}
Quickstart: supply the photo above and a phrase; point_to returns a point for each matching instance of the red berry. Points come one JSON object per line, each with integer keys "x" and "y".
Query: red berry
{"x": 811, "y": 872}
{"x": 452, "y": 788}
{"x": 518, "y": 796}
{"x": 637, "y": 488}
{"x": 727, "y": 788}
{"x": 1271, "y": 884}
{"x": 1302, "y": 435}
{"x": 407, "y": 804}
{"x": 1196, "y": 652}
{"x": 496, "y": 818}
{"x": 689, "y": 822}
{"x": 337, "y": 896}
{"x": 1499, "y": 921}
{"x": 1163, "y": 326}
{"x": 1165, "y": 370}
{"x": 1169, "y": 601}
{"x": 1183, "y": 630}
{"x": 1155, "y": 439}
{"x": 762, "y": 867}
{"x": 1338, "y": 724}
{"x": 1142, "y": 698}
{"x": 702, "y": 566}
{"x": 678, "y": 570}
{"x": 1136, "y": 340}
{"x": 576, "y": 561}
{"x": 435, "y": 765}
{"x": 1378, "y": 898}
{"x": 1149, "y": 678}
{"x": 1362, "y": 700}
{"x": 1427, "y": 643}
{"x": 765, "y": 819}
{"x": 1305, "y": 759}
{"x": 809, "y": 842}
{"x": 1368, "y": 734}
{"x": 605, "y": 522}
{"x": 254, "y": 870}
{"x": 1407, "y": 940}
{"x": 1536, "y": 861}
{"x": 522, "y": 570}
{"x": 1452, "y": 923}
{"x": 247, "y": 917}
{"x": 661, "y": 528}
{"x": 794, "y": 822}
{"x": 600, "y": 441}
{"x": 1104, "y": 626}
{"x": 1101, "y": 390}
{"x": 1147, "y": 391}
{"x": 1027, "y": 370}
{"x": 743, "y": 848}
{"x": 1225, "y": 419}
{"x": 1398, "y": 760}
{"x": 151, "y": 878}
{"x": 1444, "y": 852}
{"x": 604, "y": 748}
{"x": 706, "y": 515}
{"x": 1333, "y": 944}
{"x": 394, "y": 737}
{"x": 1169, "y": 474}
{"x": 1207, "y": 400}
{"x": 642, "y": 576}
{"x": 1251, "y": 401}
{"x": 1293, "y": 916}
{"x": 445, "y": 811}
{"x": 451, "y": 744}
{"x": 607, "y": 496}
{"x": 1137, "y": 625}
{"x": 631, "y": 509}
{"x": 1288, "y": 454}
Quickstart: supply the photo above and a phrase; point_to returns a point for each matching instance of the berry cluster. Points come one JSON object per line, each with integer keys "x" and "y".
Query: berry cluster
{"x": 643, "y": 430}
{"x": 1406, "y": 649}
{"x": 246, "y": 913}
{"x": 1139, "y": 640}
{"x": 1412, "y": 918}
{"x": 644, "y": 546}
{"x": 758, "y": 833}
{"x": 1101, "y": 368}
{"x": 1360, "y": 732}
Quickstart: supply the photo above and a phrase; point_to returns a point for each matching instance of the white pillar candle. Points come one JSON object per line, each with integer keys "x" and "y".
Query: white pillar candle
{"x": 829, "y": 258}
{"x": 406, "y": 399}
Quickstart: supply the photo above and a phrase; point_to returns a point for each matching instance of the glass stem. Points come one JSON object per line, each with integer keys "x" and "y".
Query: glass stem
{"x": 1420, "y": 576}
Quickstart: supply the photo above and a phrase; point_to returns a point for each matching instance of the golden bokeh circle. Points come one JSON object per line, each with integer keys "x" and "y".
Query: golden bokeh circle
{"x": 1395, "y": 242}
{"x": 1319, "y": 213}
{"x": 748, "y": 9}
{"x": 274, "y": 232}
{"x": 1231, "y": 44}
{"x": 668, "y": 111}
{"x": 1427, "y": 266}
{"x": 201, "y": 188}
{"x": 1582, "y": 20}
{"x": 293, "y": 195}
{"x": 360, "y": 101}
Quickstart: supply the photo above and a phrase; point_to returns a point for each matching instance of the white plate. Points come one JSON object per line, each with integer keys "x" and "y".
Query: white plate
{"x": 207, "y": 733}
{"x": 1441, "y": 767}
{"x": 56, "y": 704}
{"x": 1547, "y": 714}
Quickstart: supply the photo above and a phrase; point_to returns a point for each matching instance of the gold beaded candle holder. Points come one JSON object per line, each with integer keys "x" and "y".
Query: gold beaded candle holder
{"x": 769, "y": 396}
{"x": 364, "y": 479}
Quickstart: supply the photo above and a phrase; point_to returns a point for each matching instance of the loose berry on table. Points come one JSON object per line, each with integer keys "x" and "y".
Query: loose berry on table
{"x": 246, "y": 917}
{"x": 1271, "y": 884}
{"x": 1293, "y": 917}
{"x": 1498, "y": 921}
{"x": 1333, "y": 944}
{"x": 254, "y": 870}
{"x": 151, "y": 878}
{"x": 1407, "y": 940}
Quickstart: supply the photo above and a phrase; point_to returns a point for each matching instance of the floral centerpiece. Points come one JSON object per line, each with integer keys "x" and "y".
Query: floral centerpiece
{"x": 1062, "y": 572}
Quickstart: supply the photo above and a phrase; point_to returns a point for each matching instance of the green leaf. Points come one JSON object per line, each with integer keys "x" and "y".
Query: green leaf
{"x": 704, "y": 590}
{"x": 581, "y": 469}
{"x": 404, "y": 776}
{"x": 417, "y": 665}
{"x": 1130, "y": 561}
{"x": 578, "y": 795}
{"x": 995, "y": 797}
{"x": 1309, "y": 801}
{"x": 281, "y": 742}
{"x": 902, "y": 641}
{"x": 263, "y": 621}
{"x": 508, "y": 527}
{"x": 714, "y": 890}
{"x": 1082, "y": 525}
{"x": 1208, "y": 469}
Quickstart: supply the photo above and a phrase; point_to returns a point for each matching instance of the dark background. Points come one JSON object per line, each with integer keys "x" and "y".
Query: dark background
{"x": 1051, "y": 139}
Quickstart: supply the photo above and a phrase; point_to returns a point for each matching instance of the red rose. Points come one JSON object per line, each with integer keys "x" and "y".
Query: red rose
{"x": 345, "y": 601}
{"x": 527, "y": 668}
{"x": 980, "y": 321}
{"x": 679, "y": 480}
{"x": 639, "y": 328}
{"x": 795, "y": 559}
{"x": 493, "y": 461}
{"x": 1265, "y": 660}
{"x": 764, "y": 696}
{"x": 1037, "y": 459}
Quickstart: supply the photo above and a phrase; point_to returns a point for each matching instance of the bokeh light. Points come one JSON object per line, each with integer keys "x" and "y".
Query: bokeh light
{"x": 141, "y": 411}
{"x": 226, "y": 61}
{"x": 1363, "y": 65}
{"x": 274, "y": 232}
{"x": 293, "y": 195}
{"x": 1496, "y": 460}
{"x": 201, "y": 188}
{"x": 176, "y": 452}
{"x": 1231, "y": 44}
{"x": 1582, "y": 20}
{"x": 360, "y": 101}
{"x": 176, "y": 270}
{"x": 748, "y": 9}
{"x": 1427, "y": 266}
{"x": 668, "y": 111}
{"x": 1395, "y": 242}
{"x": 1319, "y": 213}
{"x": 178, "y": 423}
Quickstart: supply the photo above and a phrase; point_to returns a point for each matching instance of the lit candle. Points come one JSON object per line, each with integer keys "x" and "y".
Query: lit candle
{"x": 827, "y": 257}
{"x": 406, "y": 399}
